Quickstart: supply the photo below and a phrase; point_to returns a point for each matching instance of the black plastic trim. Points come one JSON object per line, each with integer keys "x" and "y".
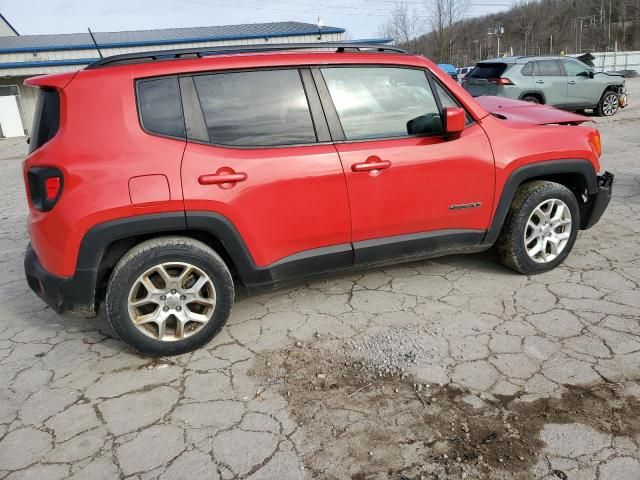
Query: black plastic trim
{"x": 598, "y": 202}
{"x": 315, "y": 106}
{"x": 417, "y": 245}
{"x": 531, "y": 171}
{"x": 196, "y": 52}
{"x": 195, "y": 126}
{"x": 300, "y": 264}
{"x": 65, "y": 295}
{"x": 36, "y": 180}
{"x": 76, "y": 295}
{"x": 330, "y": 112}
{"x": 97, "y": 239}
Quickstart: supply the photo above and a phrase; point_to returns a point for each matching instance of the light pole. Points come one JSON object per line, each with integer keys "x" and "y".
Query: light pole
{"x": 579, "y": 32}
{"x": 498, "y": 32}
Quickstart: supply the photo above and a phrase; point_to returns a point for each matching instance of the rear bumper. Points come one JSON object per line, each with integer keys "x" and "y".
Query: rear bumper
{"x": 74, "y": 296}
{"x": 597, "y": 203}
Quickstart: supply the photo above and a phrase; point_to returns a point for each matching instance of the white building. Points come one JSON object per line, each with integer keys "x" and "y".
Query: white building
{"x": 23, "y": 56}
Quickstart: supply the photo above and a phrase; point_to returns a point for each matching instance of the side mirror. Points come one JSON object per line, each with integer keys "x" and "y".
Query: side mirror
{"x": 455, "y": 119}
{"x": 591, "y": 74}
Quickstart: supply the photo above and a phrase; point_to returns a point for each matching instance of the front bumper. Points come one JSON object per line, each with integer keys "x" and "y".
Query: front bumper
{"x": 74, "y": 296}
{"x": 597, "y": 203}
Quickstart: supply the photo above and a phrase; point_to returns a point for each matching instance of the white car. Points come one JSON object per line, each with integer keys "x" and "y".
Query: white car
{"x": 463, "y": 72}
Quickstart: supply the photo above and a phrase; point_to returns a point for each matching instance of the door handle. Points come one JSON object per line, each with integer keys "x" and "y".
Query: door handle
{"x": 572, "y": 82}
{"x": 539, "y": 81}
{"x": 372, "y": 163}
{"x": 221, "y": 177}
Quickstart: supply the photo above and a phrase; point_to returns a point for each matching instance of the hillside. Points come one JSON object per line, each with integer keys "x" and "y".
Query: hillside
{"x": 534, "y": 27}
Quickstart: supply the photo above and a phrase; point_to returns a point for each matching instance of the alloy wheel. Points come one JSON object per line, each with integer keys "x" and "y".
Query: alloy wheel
{"x": 610, "y": 104}
{"x": 171, "y": 301}
{"x": 547, "y": 231}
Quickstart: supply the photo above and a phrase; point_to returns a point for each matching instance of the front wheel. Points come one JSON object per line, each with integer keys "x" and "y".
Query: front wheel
{"x": 608, "y": 105}
{"x": 169, "y": 296}
{"x": 540, "y": 229}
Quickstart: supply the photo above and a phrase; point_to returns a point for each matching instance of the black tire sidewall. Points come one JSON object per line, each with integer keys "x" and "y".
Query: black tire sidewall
{"x": 531, "y": 99}
{"x": 123, "y": 278}
{"x": 547, "y": 192}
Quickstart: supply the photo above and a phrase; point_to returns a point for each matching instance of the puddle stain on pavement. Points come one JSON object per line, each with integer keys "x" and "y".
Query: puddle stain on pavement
{"x": 356, "y": 424}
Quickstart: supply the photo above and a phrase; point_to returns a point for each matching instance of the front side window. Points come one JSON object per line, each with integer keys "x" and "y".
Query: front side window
{"x": 575, "y": 69}
{"x": 382, "y": 102}
{"x": 258, "y": 108}
{"x": 549, "y": 68}
{"x": 160, "y": 106}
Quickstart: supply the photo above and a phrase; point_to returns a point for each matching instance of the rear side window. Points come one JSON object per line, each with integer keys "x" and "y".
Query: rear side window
{"x": 382, "y": 102}
{"x": 46, "y": 120}
{"x": 160, "y": 106}
{"x": 549, "y": 68}
{"x": 258, "y": 108}
{"x": 530, "y": 69}
{"x": 488, "y": 70}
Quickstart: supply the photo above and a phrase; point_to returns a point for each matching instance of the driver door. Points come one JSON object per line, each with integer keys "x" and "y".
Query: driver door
{"x": 402, "y": 183}
{"x": 582, "y": 91}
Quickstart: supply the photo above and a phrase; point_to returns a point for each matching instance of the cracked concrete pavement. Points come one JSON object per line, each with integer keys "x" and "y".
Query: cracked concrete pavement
{"x": 77, "y": 403}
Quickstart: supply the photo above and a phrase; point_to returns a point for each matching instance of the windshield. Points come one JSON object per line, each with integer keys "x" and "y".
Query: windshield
{"x": 488, "y": 70}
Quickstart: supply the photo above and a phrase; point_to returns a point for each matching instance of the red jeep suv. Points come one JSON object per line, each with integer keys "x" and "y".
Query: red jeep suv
{"x": 156, "y": 181}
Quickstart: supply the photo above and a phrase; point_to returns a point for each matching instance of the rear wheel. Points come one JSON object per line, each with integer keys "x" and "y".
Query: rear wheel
{"x": 169, "y": 296}
{"x": 608, "y": 105}
{"x": 540, "y": 229}
{"x": 531, "y": 99}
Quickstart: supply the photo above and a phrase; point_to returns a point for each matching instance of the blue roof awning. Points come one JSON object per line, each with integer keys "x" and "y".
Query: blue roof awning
{"x": 141, "y": 38}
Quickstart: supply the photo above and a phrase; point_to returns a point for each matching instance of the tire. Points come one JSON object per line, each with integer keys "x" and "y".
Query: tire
{"x": 531, "y": 99}
{"x": 198, "y": 286}
{"x": 512, "y": 246}
{"x": 608, "y": 105}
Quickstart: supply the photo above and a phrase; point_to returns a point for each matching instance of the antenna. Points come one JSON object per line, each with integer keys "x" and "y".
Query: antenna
{"x": 94, "y": 42}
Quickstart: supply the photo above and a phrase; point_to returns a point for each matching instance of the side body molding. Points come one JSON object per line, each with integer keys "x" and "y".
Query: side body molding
{"x": 318, "y": 260}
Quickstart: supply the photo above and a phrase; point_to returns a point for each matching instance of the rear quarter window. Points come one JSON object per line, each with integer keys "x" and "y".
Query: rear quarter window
{"x": 46, "y": 120}
{"x": 488, "y": 70}
{"x": 160, "y": 106}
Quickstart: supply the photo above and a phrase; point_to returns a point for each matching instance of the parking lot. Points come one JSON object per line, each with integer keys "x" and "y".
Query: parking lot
{"x": 443, "y": 369}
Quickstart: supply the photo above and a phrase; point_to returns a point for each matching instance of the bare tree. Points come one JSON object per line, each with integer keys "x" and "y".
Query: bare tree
{"x": 404, "y": 26}
{"x": 445, "y": 22}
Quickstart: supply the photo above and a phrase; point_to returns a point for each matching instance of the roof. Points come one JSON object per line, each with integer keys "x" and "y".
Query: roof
{"x": 523, "y": 59}
{"x": 139, "y": 38}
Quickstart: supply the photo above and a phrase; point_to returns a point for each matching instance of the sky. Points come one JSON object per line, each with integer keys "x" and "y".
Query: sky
{"x": 361, "y": 18}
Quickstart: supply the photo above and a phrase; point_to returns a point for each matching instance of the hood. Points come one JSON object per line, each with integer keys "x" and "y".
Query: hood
{"x": 529, "y": 113}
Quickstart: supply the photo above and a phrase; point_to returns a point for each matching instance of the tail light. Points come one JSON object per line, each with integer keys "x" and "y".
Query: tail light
{"x": 45, "y": 187}
{"x": 500, "y": 81}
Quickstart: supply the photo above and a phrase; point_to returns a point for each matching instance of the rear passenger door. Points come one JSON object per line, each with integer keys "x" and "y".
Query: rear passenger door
{"x": 551, "y": 82}
{"x": 260, "y": 155}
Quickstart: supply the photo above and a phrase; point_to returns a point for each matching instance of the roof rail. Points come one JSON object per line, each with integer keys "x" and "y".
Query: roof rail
{"x": 199, "y": 52}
